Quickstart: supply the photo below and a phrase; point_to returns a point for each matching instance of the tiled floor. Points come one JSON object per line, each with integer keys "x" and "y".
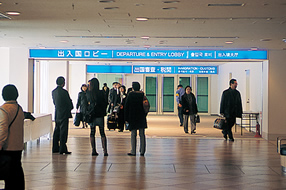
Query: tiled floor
{"x": 174, "y": 160}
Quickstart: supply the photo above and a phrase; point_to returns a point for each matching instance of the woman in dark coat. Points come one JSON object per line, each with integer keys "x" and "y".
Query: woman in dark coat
{"x": 97, "y": 104}
{"x": 82, "y": 104}
{"x": 122, "y": 95}
{"x": 190, "y": 109}
{"x": 135, "y": 116}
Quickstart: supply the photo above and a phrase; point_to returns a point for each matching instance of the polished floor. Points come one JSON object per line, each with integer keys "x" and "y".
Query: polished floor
{"x": 174, "y": 160}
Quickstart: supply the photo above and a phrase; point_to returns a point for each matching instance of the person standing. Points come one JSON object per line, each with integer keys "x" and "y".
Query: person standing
{"x": 121, "y": 121}
{"x": 112, "y": 98}
{"x": 230, "y": 108}
{"x": 12, "y": 137}
{"x": 97, "y": 104}
{"x": 106, "y": 90}
{"x": 82, "y": 104}
{"x": 179, "y": 93}
{"x": 190, "y": 109}
{"x": 135, "y": 116}
{"x": 63, "y": 106}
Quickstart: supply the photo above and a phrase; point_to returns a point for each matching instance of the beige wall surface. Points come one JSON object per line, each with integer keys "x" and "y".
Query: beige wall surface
{"x": 277, "y": 94}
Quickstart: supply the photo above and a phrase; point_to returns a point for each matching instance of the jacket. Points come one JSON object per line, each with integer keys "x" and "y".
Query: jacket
{"x": 63, "y": 103}
{"x": 82, "y": 102}
{"x": 134, "y": 112}
{"x": 230, "y": 105}
{"x": 13, "y": 139}
{"x": 97, "y": 107}
{"x": 189, "y": 105}
{"x": 179, "y": 94}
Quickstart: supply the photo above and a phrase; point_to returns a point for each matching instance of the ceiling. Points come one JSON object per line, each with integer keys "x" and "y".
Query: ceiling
{"x": 182, "y": 24}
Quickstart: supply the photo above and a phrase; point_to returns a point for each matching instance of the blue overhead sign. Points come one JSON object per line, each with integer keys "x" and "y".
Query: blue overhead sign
{"x": 142, "y": 69}
{"x": 148, "y": 54}
{"x": 174, "y": 69}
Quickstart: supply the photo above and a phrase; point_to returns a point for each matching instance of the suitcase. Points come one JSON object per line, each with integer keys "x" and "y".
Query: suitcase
{"x": 112, "y": 121}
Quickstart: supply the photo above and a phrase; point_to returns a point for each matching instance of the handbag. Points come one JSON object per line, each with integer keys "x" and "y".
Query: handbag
{"x": 5, "y": 160}
{"x": 197, "y": 119}
{"x": 77, "y": 119}
{"x": 220, "y": 123}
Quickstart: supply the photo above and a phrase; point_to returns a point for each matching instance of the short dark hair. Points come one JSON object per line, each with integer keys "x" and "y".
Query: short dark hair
{"x": 180, "y": 86}
{"x": 10, "y": 92}
{"x": 232, "y": 81}
{"x": 60, "y": 80}
{"x": 136, "y": 86}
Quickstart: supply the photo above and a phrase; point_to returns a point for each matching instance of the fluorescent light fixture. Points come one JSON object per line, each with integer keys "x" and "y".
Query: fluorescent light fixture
{"x": 13, "y": 13}
{"x": 171, "y": 1}
{"x": 64, "y": 41}
{"x": 142, "y": 18}
{"x": 145, "y": 37}
{"x": 229, "y": 42}
{"x": 226, "y": 4}
{"x": 169, "y": 8}
{"x": 147, "y": 46}
{"x": 111, "y": 8}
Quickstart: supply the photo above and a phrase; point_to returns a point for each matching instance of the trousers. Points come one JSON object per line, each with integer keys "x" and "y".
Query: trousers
{"x": 134, "y": 141}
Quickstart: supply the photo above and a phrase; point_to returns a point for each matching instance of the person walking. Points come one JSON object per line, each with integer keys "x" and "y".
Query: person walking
{"x": 135, "y": 116}
{"x": 230, "y": 108}
{"x": 82, "y": 104}
{"x": 112, "y": 98}
{"x": 12, "y": 137}
{"x": 179, "y": 93}
{"x": 190, "y": 109}
{"x": 97, "y": 104}
{"x": 63, "y": 106}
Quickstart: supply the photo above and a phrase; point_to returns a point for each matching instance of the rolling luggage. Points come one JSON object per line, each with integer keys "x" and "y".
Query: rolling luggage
{"x": 112, "y": 121}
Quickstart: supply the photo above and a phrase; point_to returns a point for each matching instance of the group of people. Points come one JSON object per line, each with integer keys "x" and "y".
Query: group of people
{"x": 93, "y": 103}
{"x": 12, "y": 120}
{"x": 230, "y": 108}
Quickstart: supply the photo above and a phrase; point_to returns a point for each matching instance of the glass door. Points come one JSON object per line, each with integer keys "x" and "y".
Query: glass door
{"x": 151, "y": 92}
{"x": 202, "y": 92}
{"x": 168, "y": 93}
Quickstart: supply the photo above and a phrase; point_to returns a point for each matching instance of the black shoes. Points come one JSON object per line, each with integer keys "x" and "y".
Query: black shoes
{"x": 141, "y": 154}
{"x": 65, "y": 152}
{"x": 105, "y": 154}
{"x": 231, "y": 140}
{"x": 130, "y": 154}
{"x": 193, "y": 132}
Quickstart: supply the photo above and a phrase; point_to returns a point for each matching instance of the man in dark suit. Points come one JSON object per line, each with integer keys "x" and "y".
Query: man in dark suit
{"x": 230, "y": 108}
{"x": 63, "y": 106}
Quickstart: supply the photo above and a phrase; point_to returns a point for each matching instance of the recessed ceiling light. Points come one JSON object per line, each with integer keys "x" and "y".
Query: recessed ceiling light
{"x": 145, "y": 37}
{"x": 284, "y": 40}
{"x": 111, "y": 8}
{"x": 169, "y": 8}
{"x": 0, "y": 3}
{"x": 13, "y": 13}
{"x": 141, "y": 19}
{"x": 229, "y": 42}
{"x": 64, "y": 41}
{"x": 253, "y": 48}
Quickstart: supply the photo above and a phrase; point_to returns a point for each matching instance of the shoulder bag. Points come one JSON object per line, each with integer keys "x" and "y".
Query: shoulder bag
{"x": 5, "y": 160}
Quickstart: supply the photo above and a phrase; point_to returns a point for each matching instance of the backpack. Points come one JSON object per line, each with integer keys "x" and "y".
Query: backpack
{"x": 146, "y": 104}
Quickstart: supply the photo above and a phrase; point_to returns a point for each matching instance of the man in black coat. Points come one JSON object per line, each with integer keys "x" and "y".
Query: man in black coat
{"x": 63, "y": 106}
{"x": 230, "y": 108}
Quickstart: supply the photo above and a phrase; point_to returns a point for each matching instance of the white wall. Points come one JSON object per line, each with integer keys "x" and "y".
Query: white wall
{"x": 77, "y": 77}
{"x": 14, "y": 70}
{"x": 238, "y": 72}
